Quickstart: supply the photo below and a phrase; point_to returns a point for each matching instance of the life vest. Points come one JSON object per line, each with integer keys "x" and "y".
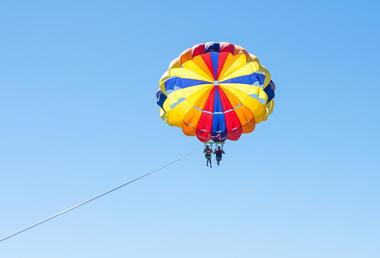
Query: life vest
{"x": 218, "y": 152}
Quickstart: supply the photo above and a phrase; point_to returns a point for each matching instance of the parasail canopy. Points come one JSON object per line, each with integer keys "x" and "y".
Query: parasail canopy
{"x": 215, "y": 91}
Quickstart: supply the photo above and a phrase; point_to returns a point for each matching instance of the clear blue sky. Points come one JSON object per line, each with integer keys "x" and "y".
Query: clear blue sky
{"x": 78, "y": 116}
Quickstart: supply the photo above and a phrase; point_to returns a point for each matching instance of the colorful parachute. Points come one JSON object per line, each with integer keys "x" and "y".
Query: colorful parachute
{"x": 216, "y": 91}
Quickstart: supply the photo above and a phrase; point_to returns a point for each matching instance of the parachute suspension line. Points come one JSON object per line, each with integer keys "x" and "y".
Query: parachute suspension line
{"x": 91, "y": 199}
{"x": 214, "y": 145}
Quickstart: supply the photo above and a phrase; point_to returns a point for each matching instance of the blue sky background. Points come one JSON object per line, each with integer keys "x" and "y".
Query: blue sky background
{"x": 78, "y": 116}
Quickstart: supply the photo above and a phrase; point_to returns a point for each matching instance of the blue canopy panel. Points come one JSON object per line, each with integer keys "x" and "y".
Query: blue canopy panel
{"x": 219, "y": 129}
{"x": 161, "y": 97}
{"x": 269, "y": 90}
{"x": 250, "y": 79}
{"x": 175, "y": 83}
{"x": 212, "y": 47}
{"x": 215, "y": 61}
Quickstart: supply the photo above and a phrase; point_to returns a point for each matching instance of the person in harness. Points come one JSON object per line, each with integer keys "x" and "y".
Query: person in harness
{"x": 208, "y": 152}
{"x": 218, "y": 154}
